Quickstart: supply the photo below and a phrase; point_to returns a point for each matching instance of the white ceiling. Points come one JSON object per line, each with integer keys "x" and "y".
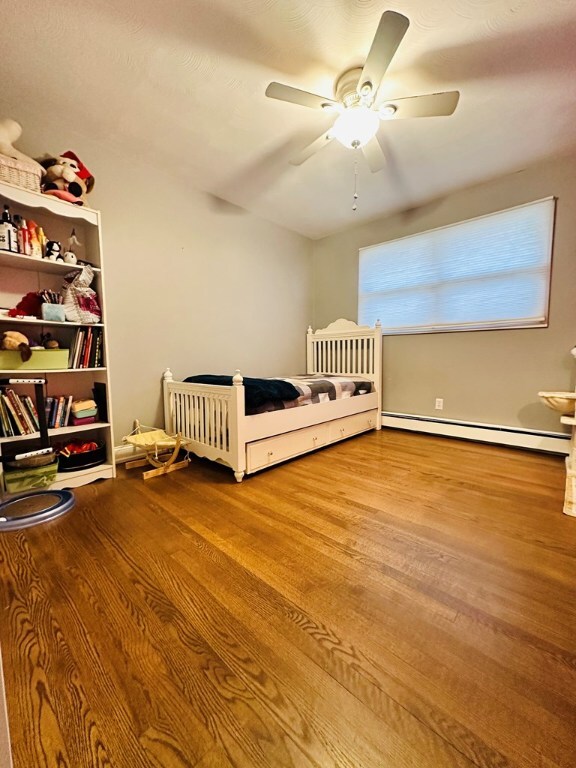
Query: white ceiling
{"x": 181, "y": 83}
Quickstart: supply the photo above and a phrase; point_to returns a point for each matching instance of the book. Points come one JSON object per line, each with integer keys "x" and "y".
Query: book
{"x": 17, "y": 428}
{"x": 66, "y": 418}
{"x": 48, "y": 402}
{"x": 87, "y": 348}
{"x": 5, "y": 420}
{"x": 57, "y": 412}
{"x": 31, "y": 405}
{"x": 100, "y": 350}
{"x": 25, "y": 414}
{"x": 73, "y": 345}
{"x": 2, "y": 420}
{"x": 96, "y": 341}
{"x": 79, "y": 343}
{"x": 22, "y": 423}
{"x": 86, "y": 420}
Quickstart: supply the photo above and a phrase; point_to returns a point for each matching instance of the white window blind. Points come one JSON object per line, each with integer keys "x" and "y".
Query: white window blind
{"x": 488, "y": 272}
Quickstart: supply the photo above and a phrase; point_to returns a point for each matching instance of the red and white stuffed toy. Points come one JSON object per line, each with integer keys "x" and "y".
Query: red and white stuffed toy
{"x": 66, "y": 177}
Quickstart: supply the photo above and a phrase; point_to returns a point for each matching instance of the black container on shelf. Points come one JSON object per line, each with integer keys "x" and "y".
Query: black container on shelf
{"x": 84, "y": 460}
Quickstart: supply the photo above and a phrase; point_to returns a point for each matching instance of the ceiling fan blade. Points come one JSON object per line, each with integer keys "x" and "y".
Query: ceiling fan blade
{"x": 430, "y": 105}
{"x": 374, "y": 155}
{"x": 296, "y": 96}
{"x": 308, "y": 151}
{"x": 391, "y": 30}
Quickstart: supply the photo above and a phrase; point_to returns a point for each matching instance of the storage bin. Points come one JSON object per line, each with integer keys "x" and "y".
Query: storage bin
{"x": 41, "y": 360}
{"x": 20, "y": 174}
{"x": 30, "y": 478}
{"x": 83, "y": 460}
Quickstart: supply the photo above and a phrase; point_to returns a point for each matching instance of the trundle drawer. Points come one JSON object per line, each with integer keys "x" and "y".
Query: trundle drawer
{"x": 264, "y": 453}
{"x": 351, "y": 425}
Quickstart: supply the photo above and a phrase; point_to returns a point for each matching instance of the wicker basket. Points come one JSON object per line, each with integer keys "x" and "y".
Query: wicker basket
{"x": 25, "y": 175}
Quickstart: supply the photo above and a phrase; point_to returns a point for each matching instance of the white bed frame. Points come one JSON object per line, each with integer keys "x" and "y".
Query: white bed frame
{"x": 213, "y": 418}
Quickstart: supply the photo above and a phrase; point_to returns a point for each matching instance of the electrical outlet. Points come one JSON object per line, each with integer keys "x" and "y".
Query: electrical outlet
{"x": 439, "y": 403}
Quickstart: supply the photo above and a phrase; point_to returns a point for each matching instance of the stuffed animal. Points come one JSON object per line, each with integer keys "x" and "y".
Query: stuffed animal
{"x": 48, "y": 342}
{"x": 10, "y": 131}
{"x": 14, "y": 341}
{"x": 29, "y": 305}
{"x": 66, "y": 177}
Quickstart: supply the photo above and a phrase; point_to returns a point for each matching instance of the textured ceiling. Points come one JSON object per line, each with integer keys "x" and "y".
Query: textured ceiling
{"x": 182, "y": 82}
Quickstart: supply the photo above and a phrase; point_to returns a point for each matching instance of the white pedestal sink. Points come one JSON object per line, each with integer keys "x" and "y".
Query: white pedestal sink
{"x": 565, "y": 403}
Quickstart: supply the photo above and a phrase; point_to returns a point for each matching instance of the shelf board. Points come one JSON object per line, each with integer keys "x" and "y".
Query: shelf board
{"x": 49, "y": 203}
{"x": 82, "y": 476}
{"x": 20, "y": 261}
{"x": 568, "y": 420}
{"x": 56, "y": 432}
{"x": 28, "y": 371}
{"x": 35, "y": 321}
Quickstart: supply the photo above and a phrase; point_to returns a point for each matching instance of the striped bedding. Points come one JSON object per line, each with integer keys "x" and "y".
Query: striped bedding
{"x": 318, "y": 388}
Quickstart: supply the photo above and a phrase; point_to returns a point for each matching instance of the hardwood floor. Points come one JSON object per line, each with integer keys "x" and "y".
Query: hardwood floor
{"x": 394, "y": 601}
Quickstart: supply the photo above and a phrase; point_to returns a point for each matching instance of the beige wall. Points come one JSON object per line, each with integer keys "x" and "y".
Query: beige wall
{"x": 490, "y": 377}
{"x": 194, "y": 285}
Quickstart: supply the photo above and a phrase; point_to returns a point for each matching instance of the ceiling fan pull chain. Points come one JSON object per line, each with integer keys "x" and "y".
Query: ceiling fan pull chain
{"x": 354, "y": 206}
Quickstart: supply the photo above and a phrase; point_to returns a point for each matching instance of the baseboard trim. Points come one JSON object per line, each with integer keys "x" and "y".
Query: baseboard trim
{"x": 124, "y": 453}
{"x": 550, "y": 442}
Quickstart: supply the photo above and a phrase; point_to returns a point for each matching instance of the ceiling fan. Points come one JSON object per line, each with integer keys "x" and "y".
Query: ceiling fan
{"x": 359, "y": 111}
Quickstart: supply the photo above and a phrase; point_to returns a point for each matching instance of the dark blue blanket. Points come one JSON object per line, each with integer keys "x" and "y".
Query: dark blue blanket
{"x": 256, "y": 391}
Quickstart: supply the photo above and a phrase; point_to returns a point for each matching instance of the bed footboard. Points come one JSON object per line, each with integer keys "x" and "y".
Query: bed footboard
{"x": 210, "y": 417}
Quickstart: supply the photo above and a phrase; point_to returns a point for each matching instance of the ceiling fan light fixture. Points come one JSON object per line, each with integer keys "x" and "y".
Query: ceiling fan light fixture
{"x": 355, "y": 126}
{"x": 387, "y": 110}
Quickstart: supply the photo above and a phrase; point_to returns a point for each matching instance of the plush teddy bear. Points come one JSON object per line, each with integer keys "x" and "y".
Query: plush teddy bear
{"x": 66, "y": 177}
{"x": 48, "y": 342}
{"x": 10, "y": 131}
{"x": 14, "y": 341}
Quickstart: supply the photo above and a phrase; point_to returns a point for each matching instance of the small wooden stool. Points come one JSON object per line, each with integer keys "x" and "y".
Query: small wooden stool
{"x": 161, "y": 450}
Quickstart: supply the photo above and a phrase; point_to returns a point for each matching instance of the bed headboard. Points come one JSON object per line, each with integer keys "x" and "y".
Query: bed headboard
{"x": 347, "y": 349}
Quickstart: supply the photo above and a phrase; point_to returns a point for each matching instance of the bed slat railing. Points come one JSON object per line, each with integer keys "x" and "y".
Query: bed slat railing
{"x": 343, "y": 356}
{"x": 344, "y": 348}
{"x": 211, "y": 417}
{"x": 202, "y": 418}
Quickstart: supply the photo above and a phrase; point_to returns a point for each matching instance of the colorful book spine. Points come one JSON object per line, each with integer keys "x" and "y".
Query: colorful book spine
{"x": 86, "y": 420}
{"x": 17, "y": 428}
{"x": 29, "y": 402}
{"x": 78, "y": 345}
{"x": 67, "y": 411}
{"x": 48, "y": 403}
{"x": 7, "y": 430}
{"x": 57, "y": 412}
{"x": 23, "y": 422}
{"x": 30, "y": 425}
{"x": 87, "y": 348}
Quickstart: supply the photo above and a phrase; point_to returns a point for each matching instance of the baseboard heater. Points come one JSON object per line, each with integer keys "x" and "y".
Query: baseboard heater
{"x": 552, "y": 442}
{"x": 124, "y": 453}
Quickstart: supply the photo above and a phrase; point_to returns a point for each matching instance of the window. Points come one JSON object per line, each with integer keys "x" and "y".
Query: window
{"x": 488, "y": 272}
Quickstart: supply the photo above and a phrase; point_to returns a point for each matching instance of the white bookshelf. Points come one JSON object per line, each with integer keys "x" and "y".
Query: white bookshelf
{"x": 20, "y": 274}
